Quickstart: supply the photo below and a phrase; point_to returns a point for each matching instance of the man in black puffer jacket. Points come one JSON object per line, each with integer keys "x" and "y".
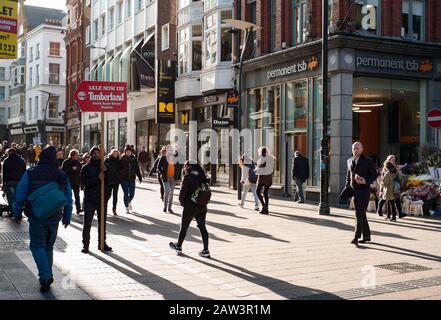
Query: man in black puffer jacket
{"x": 91, "y": 180}
{"x": 129, "y": 172}
{"x": 13, "y": 169}
{"x": 113, "y": 177}
{"x": 72, "y": 168}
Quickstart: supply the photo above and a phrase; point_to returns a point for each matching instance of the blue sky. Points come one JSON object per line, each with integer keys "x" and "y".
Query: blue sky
{"x": 58, "y": 4}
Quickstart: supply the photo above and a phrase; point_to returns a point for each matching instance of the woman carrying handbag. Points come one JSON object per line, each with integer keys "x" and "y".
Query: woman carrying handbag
{"x": 264, "y": 171}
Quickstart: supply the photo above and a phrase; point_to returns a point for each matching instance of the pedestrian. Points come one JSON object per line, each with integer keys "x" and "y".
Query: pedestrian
{"x": 60, "y": 158}
{"x": 72, "y": 167}
{"x": 113, "y": 176}
{"x": 24, "y": 152}
{"x": 300, "y": 173}
{"x": 129, "y": 172}
{"x": 195, "y": 206}
{"x": 91, "y": 178}
{"x": 389, "y": 192}
{"x": 392, "y": 160}
{"x": 31, "y": 156}
{"x": 143, "y": 159}
{"x": 361, "y": 172}
{"x": 37, "y": 149}
{"x": 170, "y": 170}
{"x": 264, "y": 171}
{"x": 45, "y": 211}
{"x": 248, "y": 180}
{"x": 155, "y": 170}
{"x": 14, "y": 168}
{"x": 86, "y": 159}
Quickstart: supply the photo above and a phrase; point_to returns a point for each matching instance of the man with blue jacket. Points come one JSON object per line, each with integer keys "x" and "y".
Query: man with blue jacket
{"x": 43, "y": 233}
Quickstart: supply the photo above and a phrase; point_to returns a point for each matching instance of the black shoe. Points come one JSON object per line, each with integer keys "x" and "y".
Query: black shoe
{"x": 174, "y": 246}
{"x": 106, "y": 248}
{"x": 85, "y": 250}
{"x": 380, "y": 215}
{"x": 403, "y": 216}
{"x": 45, "y": 285}
{"x": 393, "y": 220}
{"x": 170, "y": 211}
{"x": 355, "y": 241}
{"x": 264, "y": 211}
{"x": 365, "y": 240}
{"x": 205, "y": 254}
{"x": 300, "y": 201}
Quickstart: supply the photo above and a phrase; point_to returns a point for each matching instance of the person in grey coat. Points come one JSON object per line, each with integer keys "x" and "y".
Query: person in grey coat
{"x": 300, "y": 173}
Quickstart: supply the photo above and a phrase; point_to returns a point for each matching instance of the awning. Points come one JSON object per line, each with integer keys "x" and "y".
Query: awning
{"x": 92, "y": 74}
{"x": 124, "y": 65}
{"x": 114, "y": 66}
{"x": 99, "y": 72}
{"x": 107, "y": 69}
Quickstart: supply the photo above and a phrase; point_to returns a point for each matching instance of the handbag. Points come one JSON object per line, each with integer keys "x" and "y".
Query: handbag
{"x": 397, "y": 187}
{"x": 265, "y": 180}
{"x": 47, "y": 200}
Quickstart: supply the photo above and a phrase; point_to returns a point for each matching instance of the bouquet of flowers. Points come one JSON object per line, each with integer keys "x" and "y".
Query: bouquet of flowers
{"x": 422, "y": 192}
{"x": 414, "y": 183}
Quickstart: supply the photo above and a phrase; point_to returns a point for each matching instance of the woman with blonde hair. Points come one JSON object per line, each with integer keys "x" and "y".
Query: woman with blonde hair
{"x": 113, "y": 176}
{"x": 397, "y": 170}
{"x": 264, "y": 171}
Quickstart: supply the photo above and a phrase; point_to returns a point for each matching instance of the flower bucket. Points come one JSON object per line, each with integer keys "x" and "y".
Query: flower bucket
{"x": 433, "y": 172}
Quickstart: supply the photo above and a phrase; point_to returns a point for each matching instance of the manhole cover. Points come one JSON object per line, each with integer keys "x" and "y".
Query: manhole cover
{"x": 403, "y": 267}
{"x": 14, "y": 236}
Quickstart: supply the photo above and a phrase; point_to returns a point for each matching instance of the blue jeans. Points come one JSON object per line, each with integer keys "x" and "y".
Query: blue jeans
{"x": 43, "y": 238}
{"x": 246, "y": 188}
{"x": 169, "y": 188}
{"x": 299, "y": 185}
{"x": 11, "y": 187}
{"x": 129, "y": 191}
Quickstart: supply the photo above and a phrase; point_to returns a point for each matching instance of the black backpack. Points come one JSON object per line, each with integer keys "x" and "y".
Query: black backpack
{"x": 252, "y": 177}
{"x": 202, "y": 195}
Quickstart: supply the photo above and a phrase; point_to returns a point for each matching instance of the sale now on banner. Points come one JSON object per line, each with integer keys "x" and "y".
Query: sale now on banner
{"x": 102, "y": 96}
{"x": 8, "y": 29}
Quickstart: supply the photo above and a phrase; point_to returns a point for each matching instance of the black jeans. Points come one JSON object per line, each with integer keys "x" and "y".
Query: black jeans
{"x": 362, "y": 225}
{"x": 391, "y": 209}
{"x": 200, "y": 214}
{"x": 162, "y": 187}
{"x": 265, "y": 195}
{"x": 397, "y": 206}
{"x": 113, "y": 192}
{"x": 89, "y": 212}
{"x": 76, "y": 192}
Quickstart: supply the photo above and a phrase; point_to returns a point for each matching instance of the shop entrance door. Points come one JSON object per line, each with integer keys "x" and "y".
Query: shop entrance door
{"x": 294, "y": 142}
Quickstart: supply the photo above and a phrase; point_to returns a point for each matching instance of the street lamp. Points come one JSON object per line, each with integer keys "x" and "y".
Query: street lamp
{"x": 324, "y": 151}
{"x": 43, "y": 129}
{"x": 248, "y": 28}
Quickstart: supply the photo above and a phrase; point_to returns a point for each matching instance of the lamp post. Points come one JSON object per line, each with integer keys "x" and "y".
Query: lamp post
{"x": 248, "y": 28}
{"x": 43, "y": 122}
{"x": 324, "y": 151}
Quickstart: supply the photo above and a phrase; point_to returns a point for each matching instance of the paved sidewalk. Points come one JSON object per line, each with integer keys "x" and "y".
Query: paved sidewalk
{"x": 293, "y": 253}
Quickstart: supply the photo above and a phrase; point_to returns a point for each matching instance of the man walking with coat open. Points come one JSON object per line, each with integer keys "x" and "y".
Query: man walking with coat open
{"x": 300, "y": 173}
{"x": 362, "y": 172}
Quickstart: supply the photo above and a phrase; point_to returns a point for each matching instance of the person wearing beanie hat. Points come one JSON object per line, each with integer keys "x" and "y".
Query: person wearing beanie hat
{"x": 91, "y": 178}
{"x": 129, "y": 172}
{"x": 43, "y": 231}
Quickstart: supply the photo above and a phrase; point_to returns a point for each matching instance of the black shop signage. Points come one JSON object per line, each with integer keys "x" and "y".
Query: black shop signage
{"x": 220, "y": 123}
{"x": 166, "y": 92}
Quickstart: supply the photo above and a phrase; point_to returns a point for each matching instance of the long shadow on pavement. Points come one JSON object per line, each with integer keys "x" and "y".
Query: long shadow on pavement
{"x": 405, "y": 252}
{"x": 166, "y": 288}
{"x": 332, "y": 224}
{"x": 280, "y": 287}
{"x": 225, "y": 213}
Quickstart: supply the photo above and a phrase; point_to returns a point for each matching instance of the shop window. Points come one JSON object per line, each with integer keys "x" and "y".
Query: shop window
{"x": 296, "y": 105}
{"x": 122, "y": 132}
{"x": 367, "y": 14}
{"x": 412, "y": 26}
{"x": 110, "y": 135}
{"x": 53, "y": 107}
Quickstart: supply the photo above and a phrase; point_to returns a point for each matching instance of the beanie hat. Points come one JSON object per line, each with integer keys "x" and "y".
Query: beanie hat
{"x": 128, "y": 148}
{"x": 48, "y": 156}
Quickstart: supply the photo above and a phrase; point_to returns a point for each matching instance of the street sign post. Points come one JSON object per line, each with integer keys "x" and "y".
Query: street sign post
{"x": 102, "y": 96}
{"x": 434, "y": 118}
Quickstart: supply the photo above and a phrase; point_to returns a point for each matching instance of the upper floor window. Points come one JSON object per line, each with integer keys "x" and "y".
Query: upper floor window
{"x": 300, "y": 20}
{"x": 367, "y": 16}
{"x": 95, "y": 29}
{"x": 138, "y": 5}
{"x": 54, "y": 49}
{"x": 209, "y": 4}
{"x": 2, "y": 73}
{"x": 37, "y": 52}
{"x": 226, "y": 37}
{"x": 119, "y": 13}
{"x": 211, "y": 39}
{"x": 128, "y": 8}
{"x": 183, "y": 50}
{"x": 111, "y": 18}
{"x": 183, "y": 4}
{"x": 413, "y": 20}
{"x": 87, "y": 35}
{"x": 53, "y": 107}
{"x": 103, "y": 25}
{"x": 54, "y": 73}
{"x": 165, "y": 43}
{"x": 31, "y": 54}
{"x": 2, "y": 93}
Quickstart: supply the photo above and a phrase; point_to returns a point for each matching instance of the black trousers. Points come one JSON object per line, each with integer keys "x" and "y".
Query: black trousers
{"x": 89, "y": 212}
{"x": 76, "y": 192}
{"x": 392, "y": 209}
{"x": 113, "y": 192}
{"x": 162, "y": 187}
{"x": 397, "y": 206}
{"x": 200, "y": 214}
{"x": 265, "y": 195}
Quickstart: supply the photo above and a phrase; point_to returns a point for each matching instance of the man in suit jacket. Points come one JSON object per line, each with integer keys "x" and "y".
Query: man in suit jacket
{"x": 362, "y": 172}
{"x": 300, "y": 173}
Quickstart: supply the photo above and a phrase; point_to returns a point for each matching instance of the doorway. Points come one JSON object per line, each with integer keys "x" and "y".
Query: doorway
{"x": 297, "y": 141}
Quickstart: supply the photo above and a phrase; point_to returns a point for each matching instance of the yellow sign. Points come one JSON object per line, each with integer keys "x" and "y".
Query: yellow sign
{"x": 166, "y": 108}
{"x": 184, "y": 118}
{"x": 8, "y": 29}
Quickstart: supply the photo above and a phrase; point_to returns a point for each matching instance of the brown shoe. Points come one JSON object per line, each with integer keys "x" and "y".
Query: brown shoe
{"x": 114, "y": 212}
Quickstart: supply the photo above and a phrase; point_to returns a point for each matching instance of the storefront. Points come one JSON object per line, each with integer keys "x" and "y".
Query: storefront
{"x": 283, "y": 112}
{"x": 73, "y": 132}
{"x": 146, "y": 135}
{"x": 91, "y": 131}
{"x": 17, "y": 134}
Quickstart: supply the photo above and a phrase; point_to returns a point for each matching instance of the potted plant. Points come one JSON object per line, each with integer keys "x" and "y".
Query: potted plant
{"x": 431, "y": 163}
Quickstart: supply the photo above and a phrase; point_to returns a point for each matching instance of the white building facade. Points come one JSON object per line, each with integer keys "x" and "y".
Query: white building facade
{"x": 5, "y": 74}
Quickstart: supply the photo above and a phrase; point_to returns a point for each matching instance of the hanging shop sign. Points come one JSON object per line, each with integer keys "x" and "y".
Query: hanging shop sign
{"x": 165, "y": 112}
{"x": 220, "y": 123}
{"x": 233, "y": 99}
{"x": 8, "y": 29}
{"x": 102, "y": 96}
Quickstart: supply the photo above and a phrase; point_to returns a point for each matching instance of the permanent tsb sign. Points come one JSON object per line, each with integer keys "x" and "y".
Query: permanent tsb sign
{"x": 8, "y": 29}
{"x": 305, "y": 65}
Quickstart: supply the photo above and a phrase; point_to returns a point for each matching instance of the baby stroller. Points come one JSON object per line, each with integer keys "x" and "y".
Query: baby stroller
{"x": 4, "y": 206}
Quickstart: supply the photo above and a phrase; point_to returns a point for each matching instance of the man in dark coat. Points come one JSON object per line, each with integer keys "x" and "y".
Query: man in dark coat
{"x": 13, "y": 169}
{"x": 143, "y": 158}
{"x": 31, "y": 156}
{"x": 24, "y": 152}
{"x": 170, "y": 170}
{"x": 72, "y": 168}
{"x": 129, "y": 172}
{"x": 300, "y": 173}
{"x": 362, "y": 172}
{"x": 91, "y": 178}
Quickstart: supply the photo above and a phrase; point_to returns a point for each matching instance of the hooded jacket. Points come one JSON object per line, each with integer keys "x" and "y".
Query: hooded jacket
{"x": 73, "y": 170}
{"x": 45, "y": 172}
{"x": 13, "y": 168}
{"x": 91, "y": 181}
{"x": 192, "y": 179}
{"x": 113, "y": 174}
{"x": 130, "y": 168}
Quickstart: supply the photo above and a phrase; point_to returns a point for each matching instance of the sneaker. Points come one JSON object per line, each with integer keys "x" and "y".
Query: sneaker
{"x": 256, "y": 208}
{"x": 204, "y": 254}
{"x": 130, "y": 206}
{"x": 127, "y": 210}
{"x": 175, "y": 247}
{"x": 46, "y": 284}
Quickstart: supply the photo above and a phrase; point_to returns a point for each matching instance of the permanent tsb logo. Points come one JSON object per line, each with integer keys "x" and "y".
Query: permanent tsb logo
{"x": 305, "y": 65}
{"x": 412, "y": 65}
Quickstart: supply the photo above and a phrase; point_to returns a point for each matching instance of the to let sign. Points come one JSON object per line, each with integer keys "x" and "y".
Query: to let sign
{"x": 102, "y": 96}
{"x": 8, "y": 29}
{"x": 434, "y": 118}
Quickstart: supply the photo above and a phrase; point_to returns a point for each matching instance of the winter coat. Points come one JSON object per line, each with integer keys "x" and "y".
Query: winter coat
{"x": 113, "y": 174}
{"x": 387, "y": 183}
{"x": 72, "y": 168}
{"x": 130, "y": 169}
{"x": 91, "y": 181}
{"x": 13, "y": 168}
{"x": 300, "y": 168}
{"x": 163, "y": 168}
{"x": 190, "y": 183}
{"x": 143, "y": 157}
{"x": 31, "y": 155}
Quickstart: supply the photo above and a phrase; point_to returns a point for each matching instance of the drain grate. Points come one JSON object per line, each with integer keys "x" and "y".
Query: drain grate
{"x": 14, "y": 236}
{"x": 403, "y": 267}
